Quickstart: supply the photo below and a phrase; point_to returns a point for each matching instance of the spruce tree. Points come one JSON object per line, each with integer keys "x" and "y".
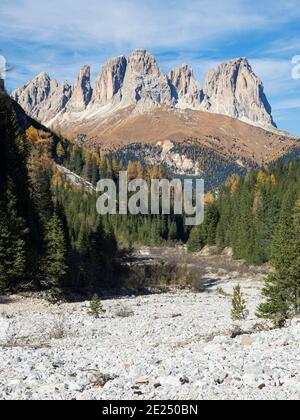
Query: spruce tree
{"x": 196, "y": 240}
{"x": 239, "y": 310}
{"x": 96, "y": 307}
{"x": 55, "y": 259}
{"x": 12, "y": 249}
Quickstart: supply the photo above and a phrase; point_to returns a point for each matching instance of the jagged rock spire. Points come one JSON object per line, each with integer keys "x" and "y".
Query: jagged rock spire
{"x": 109, "y": 81}
{"x": 82, "y": 90}
{"x": 186, "y": 90}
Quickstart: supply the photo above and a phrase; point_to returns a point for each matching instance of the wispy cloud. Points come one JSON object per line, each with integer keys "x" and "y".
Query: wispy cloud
{"x": 288, "y": 104}
{"x": 62, "y": 35}
{"x": 127, "y": 23}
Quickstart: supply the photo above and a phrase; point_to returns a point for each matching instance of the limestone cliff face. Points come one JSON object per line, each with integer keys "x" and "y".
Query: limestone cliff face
{"x": 145, "y": 85}
{"x": 186, "y": 90}
{"x": 234, "y": 90}
{"x": 82, "y": 91}
{"x": 137, "y": 82}
{"x": 109, "y": 82}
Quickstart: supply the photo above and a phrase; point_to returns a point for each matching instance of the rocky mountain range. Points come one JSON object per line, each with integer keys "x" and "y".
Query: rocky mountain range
{"x": 137, "y": 81}
{"x": 137, "y": 112}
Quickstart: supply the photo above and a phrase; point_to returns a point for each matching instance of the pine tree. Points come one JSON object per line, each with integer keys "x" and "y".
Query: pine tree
{"x": 55, "y": 259}
{"x": 209, "y": 227}
{"x": 196, "y": 240}
{"x": 12, "y": 248}
{"x": 96, "y": 307}
{"x": 95, "y": 172}
{"x": 14, "y": 199}
{"x": 39, "y": 171}
{"x": 239, "y": 309}
{"x": 282, "y": 289}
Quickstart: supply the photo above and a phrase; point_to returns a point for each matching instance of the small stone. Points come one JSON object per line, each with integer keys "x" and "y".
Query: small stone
{"x": 184, "y": 380}
{"x": 246, "y": 341}
{"x": 142, "y": 381}
{"x": 139, "y": 393}
{"x": 223, "y": 339}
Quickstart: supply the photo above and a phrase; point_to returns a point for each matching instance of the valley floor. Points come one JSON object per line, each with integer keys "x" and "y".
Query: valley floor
{"x": 176, "y": 345}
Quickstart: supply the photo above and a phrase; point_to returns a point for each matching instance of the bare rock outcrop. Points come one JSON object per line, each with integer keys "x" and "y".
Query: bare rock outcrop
{"x": 82, "y": 91}
{"x": 145, "y": 85}
{"x": 43, "y": 98}
{"x": 186, "y": 90}
{"x": 234, "y": 90}
{"x": 109, "y": 82}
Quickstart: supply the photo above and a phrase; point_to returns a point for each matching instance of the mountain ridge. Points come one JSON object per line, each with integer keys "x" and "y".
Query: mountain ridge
{"x": 232, "y": 89}
{"x": 133, "y": 102}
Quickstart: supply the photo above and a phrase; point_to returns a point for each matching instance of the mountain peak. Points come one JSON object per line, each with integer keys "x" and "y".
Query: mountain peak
{"x": 185, "y": 88}
{"x": 109, "y": 81}
{"x": 143, "y": 62}
{"x": 145, "y": 85}
{"x": 233, "y": 89}
{"x": 82, "y": 90}
{"x": 42, "y": 76}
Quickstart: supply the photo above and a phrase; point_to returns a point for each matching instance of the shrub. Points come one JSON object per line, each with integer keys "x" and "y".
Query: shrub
{"x": 124, "y": 311}
{"x": 59, "y": 329}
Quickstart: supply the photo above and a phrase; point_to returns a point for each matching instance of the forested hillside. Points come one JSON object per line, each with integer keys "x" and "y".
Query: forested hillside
{"x": 249, "y": 212}
{"x": 51, "y": 235}
{"x": 92, "y": 166}
{"x": 259, "y": 217}
{"x": 40, "y": 246}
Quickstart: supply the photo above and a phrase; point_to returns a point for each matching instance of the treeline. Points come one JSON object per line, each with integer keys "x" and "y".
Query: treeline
{"x": 246, "y": 213}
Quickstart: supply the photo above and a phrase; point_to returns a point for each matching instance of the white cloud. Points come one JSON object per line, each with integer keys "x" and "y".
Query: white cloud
{"x": 131, "y": 23}
{"x": 287, "y": 104}
{"x": 275, "y": 74}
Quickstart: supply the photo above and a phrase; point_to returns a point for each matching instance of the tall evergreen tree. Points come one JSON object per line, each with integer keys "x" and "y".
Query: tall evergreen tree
{"x": 55, "y": 259}
{"x": 12, "y": 244}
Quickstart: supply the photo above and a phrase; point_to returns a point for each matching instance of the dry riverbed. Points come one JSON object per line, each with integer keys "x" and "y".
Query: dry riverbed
{"x": 176, "y": 345}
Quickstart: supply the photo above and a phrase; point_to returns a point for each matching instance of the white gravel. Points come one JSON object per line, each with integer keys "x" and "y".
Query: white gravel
{"x": 175, "y": 346}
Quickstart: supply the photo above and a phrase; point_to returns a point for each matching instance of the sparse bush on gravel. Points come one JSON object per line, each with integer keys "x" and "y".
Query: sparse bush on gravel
{"x": 260, "y": 327}
{"x": 58, "y": 329}
{"x": 124, "y": 311}
{"x": 100, "y": 379}
{"x": 162, "y": 275}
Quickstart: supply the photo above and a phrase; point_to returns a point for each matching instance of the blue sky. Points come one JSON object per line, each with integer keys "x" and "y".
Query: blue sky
{"x": 60, "y": 36}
